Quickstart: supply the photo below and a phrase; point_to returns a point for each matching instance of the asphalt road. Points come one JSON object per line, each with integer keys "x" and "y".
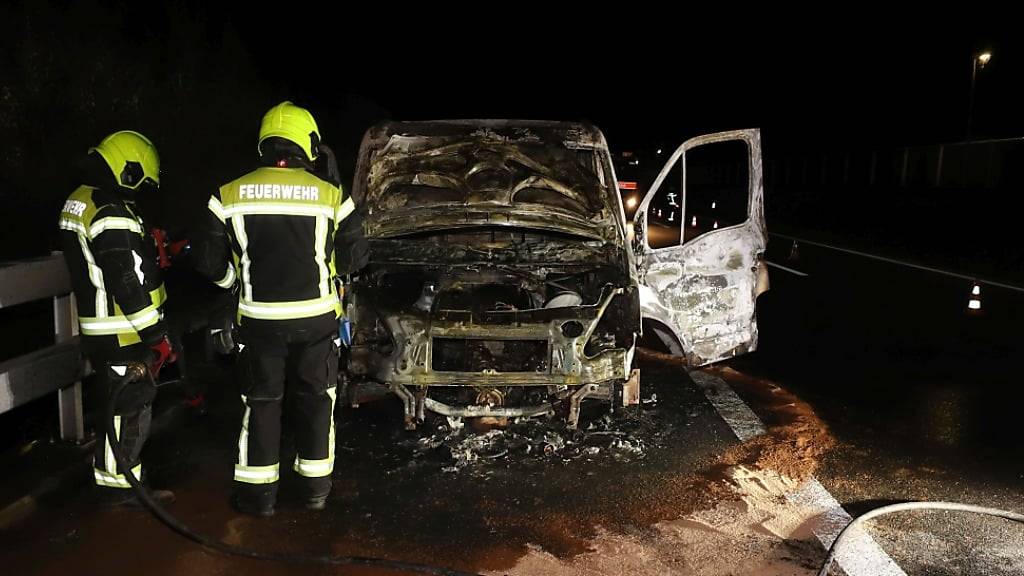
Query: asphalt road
{"x": 920, "y": 398}
{"x": 924, "y": 398}
{"x": 471, "y": 499}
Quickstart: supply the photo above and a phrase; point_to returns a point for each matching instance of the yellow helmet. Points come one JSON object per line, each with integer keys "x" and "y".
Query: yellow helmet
{"x": 292, "y": 123}
{"x": 132, "y": 158}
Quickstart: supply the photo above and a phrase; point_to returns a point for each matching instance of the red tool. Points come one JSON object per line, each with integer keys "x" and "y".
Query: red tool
{"x": 165, "y": 248}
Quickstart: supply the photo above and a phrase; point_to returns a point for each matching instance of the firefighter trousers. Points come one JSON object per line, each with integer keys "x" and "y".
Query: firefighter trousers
{"x": 132, "y": 415}
{"x": 294, "y": 371}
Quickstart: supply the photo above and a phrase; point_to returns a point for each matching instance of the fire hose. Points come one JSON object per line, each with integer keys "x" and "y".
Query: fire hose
{"x": 139, "y": 373}
{"x": 906, "y": 506}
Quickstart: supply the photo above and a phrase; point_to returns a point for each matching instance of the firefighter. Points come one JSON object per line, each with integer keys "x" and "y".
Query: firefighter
{"x": 270, "y": 235}
{"x": 119, "y": 293}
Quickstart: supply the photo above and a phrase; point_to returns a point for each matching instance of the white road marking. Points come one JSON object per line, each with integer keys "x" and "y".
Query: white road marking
{"x": 790, "y": 270}
{"x": 740, "y": 418}
{"x": 903, "y": 263}
{"x": 862, "y": 556}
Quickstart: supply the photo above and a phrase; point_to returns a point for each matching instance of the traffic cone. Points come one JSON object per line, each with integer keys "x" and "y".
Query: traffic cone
{"x": 974, "y": 302}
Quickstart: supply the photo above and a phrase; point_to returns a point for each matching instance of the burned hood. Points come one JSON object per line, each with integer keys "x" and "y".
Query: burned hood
{"x": 419, "y": 177}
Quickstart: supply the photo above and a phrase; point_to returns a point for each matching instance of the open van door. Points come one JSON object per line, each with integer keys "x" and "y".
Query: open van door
{"x": 699, "y": 239}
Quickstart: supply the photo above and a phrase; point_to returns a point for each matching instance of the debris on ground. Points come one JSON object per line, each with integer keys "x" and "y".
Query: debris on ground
{"x": 618, "y": 437}
{"x": 732, "y": 518}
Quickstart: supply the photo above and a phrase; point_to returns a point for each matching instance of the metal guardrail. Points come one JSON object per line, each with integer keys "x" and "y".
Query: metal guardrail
{"x": 57, "y": 368}
{"x": 975, "y": 164}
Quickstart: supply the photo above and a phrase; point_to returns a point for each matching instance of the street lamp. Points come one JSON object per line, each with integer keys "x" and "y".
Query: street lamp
{"x": 979, "y": 60}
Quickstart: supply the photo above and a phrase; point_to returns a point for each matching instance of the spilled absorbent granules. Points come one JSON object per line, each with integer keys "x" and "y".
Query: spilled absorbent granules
{"x": 732, "y": 517}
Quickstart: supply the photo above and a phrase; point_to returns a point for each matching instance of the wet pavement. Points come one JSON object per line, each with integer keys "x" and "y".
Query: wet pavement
{"x": 873, "y": 379}
{"x": 923, "y": 398}
{"x": 466, "y": 498}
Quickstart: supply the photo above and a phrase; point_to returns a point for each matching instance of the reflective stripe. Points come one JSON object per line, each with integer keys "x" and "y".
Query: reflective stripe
{"x": 110, "y": 477}
{"x": 277, "y": 208}
{"x": 289, "y": 310}
{"x": 243, "y": 244}
{"x": 138, "y": 268}
{"x": 118, "y": 324}
{"x": 113, "y": 223}
{"x": 314, "y": 468}
{"x": 257, "y": 474}
{"x": 216, "y": 207}
{"x": 95, "y": 276}
{"x": 320, "y": 240}
{"x": 72, "y": 225}
{"x": 243, "y": 436}
{"x": 333, "y": 393}
{"x": 346, "y": 208}
{"x": 144, "y": 318}
{"x": 323, "y": 466}
{"x": 108, "y": 454}
{"x": 115, "y": 480}
{"x": 228, "y": 280}
{"x": 105, "y": 326}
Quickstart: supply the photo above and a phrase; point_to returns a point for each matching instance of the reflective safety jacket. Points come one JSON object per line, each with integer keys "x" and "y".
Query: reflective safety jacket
{"x": 114, "y": 271}
{"x": 276, "y": 241}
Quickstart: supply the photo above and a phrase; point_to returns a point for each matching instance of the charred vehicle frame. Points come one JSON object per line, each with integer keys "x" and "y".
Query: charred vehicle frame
{"x": 500, "y": 280}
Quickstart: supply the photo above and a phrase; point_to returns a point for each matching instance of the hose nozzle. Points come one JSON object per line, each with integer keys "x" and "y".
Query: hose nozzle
{"x": 136, "y": 371}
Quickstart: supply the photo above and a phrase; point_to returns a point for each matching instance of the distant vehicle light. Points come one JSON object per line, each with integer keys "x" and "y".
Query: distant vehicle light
{"x": 693, "y": 223}
{"x": 631, "y": 202}
{"x": 626, "y": 185}
{"x": 659, "y": 152}
{"x": 714, "y": 205}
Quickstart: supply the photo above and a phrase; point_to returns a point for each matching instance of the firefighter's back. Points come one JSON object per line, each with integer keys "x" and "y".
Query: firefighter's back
{"x": 281, "y": 223}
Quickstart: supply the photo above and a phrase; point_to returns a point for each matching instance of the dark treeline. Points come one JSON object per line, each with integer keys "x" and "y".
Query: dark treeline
{"x": 71, "y": 73}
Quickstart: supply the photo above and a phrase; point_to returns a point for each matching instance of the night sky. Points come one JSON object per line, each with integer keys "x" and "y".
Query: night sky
{"x": 641, "y": 76}
{"x": 866, "y": 76}
{"x": 197, "y": 77}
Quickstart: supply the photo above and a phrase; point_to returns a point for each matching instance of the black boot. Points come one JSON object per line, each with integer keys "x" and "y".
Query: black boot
{"x": 313, "y": 492}
{"x": 316, "y": 503}
{"x": 258, "y": 507}
{"x": 254, "y": 499}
